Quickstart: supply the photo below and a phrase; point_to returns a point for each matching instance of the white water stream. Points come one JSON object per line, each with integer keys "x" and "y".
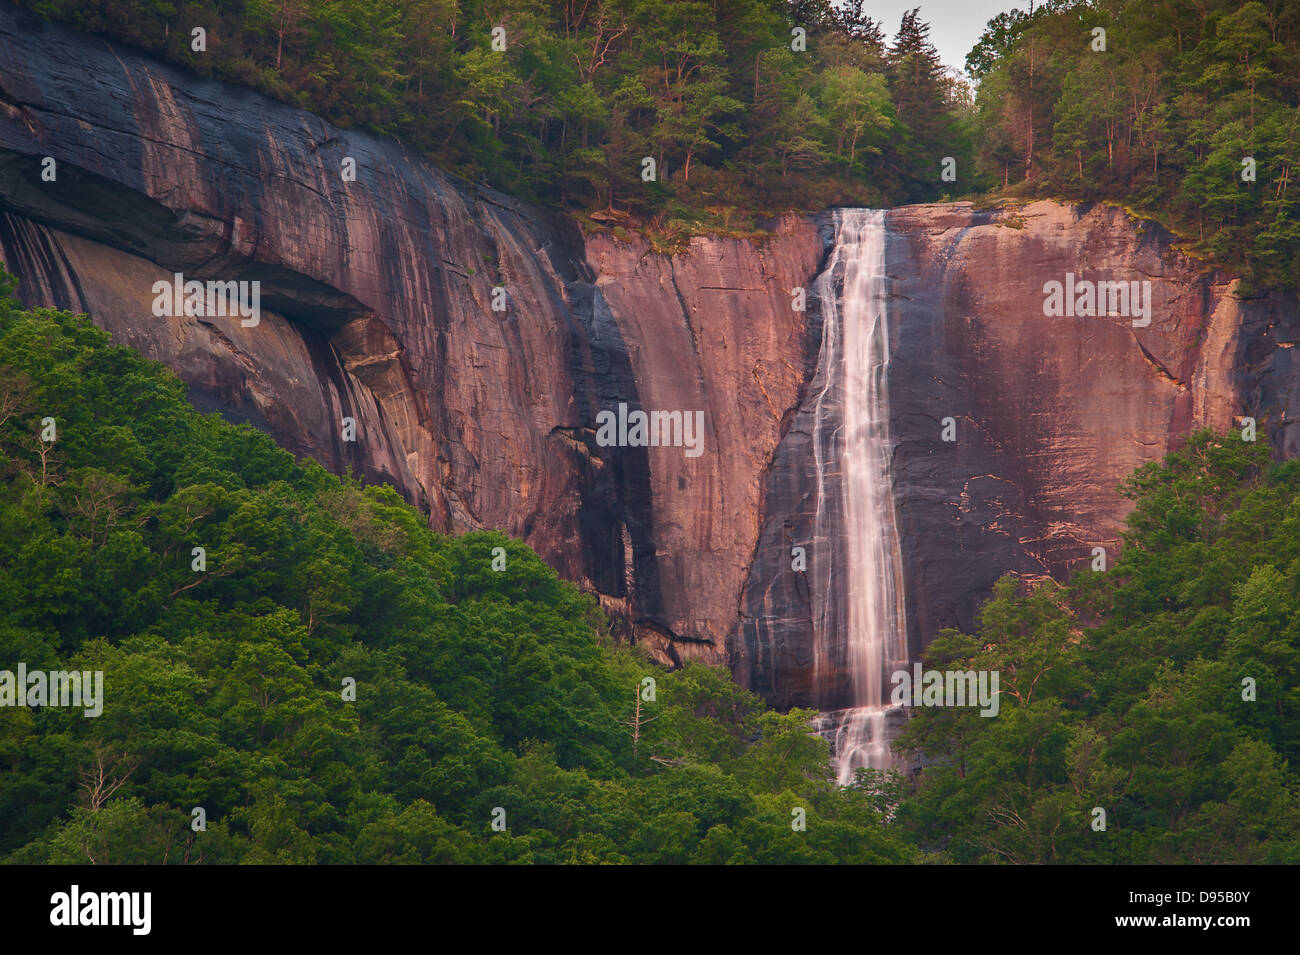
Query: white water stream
{"x": 865, "y": 628}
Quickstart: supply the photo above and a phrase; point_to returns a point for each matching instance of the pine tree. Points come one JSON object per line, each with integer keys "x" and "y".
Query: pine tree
{"x": 920, "y": 95}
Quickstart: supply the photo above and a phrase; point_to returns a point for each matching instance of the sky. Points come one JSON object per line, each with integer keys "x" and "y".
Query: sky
{"x": 955, "y": 25}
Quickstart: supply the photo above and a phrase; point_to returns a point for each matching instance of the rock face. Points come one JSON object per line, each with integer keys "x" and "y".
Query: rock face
{"x": 1053, "y": 413}
{"x": 1050, "y": 414}
{"x": 377, "y": 298}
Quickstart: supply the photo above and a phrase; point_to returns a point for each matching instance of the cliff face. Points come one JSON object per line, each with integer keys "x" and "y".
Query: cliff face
{"x": 1049, "y": 413}
{"x": 1052, "y": 413}
{"x": 377, "y": 299}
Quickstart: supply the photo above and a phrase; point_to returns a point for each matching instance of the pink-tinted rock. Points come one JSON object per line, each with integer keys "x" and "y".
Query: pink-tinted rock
{"x": 1051, "y": 413}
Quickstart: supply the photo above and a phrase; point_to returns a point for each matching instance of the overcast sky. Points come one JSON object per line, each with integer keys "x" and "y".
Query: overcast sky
{"x": 955, "y": 25}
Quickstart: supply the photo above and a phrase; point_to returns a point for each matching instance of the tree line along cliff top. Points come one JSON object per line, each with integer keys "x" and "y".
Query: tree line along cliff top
{"x": 744, "y": 115}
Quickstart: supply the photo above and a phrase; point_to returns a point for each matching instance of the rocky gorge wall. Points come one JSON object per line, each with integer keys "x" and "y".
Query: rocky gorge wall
{"x": 377, "y": 298}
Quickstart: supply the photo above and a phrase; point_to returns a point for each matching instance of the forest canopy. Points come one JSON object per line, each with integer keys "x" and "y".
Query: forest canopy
{"x": 477, "y": 690}
{"x": 1188, "y": 113}
{"x": 1184, "y": 111}
{"x": 225, "y": 684}
{"x": 742, "y": 116}
{"x": 1163, "y": 692}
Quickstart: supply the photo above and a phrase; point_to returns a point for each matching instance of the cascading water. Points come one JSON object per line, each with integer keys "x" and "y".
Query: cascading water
{"x": 858, "y": 607}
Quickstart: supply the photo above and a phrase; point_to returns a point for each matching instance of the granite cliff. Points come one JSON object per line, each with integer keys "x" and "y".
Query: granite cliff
{"x": 1049, "y": 413}
{"x": 377, "y": 297}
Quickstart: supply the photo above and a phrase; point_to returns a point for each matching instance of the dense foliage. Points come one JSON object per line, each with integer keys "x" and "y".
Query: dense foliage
{"x": 1124, "y": 691}
{"x": 223, "y": 689}
{"x": 740, "y": 125}
{"x": 478, "y": 689}
{"x": 1160, "y": 121}
{"x": 737, "y": 121}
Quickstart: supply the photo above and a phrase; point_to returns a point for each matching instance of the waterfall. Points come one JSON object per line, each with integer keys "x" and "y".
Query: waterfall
{"x": 858, "y": 610}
